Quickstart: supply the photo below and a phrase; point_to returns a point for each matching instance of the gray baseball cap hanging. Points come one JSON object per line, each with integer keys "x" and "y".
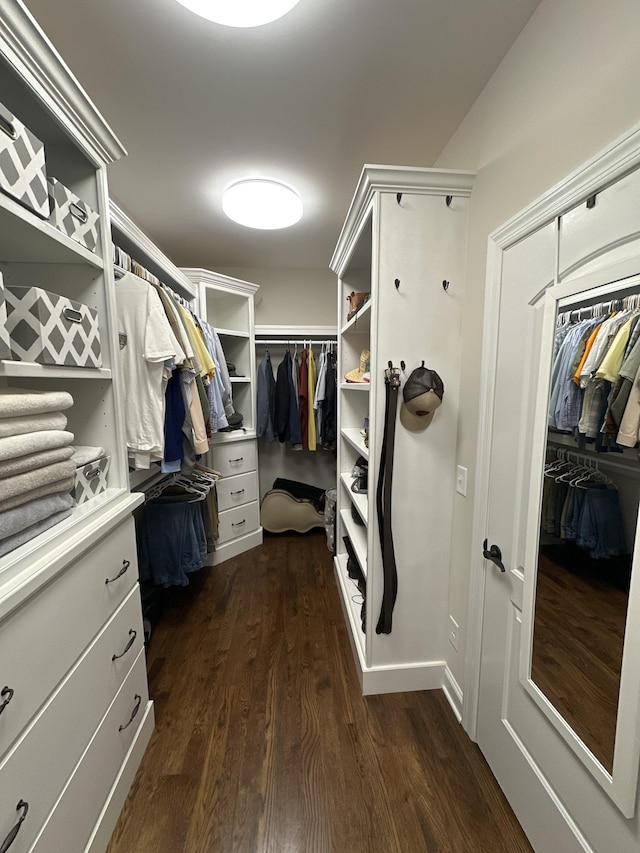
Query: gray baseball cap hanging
{"x": 422, "y": 395}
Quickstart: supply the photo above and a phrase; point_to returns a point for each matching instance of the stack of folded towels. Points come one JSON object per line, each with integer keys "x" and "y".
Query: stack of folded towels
{"x": 37, "y": 473}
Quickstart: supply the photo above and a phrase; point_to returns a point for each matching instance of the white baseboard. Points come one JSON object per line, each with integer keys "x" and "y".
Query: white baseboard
{"x": 453, "y": 692}
{"x": 426, "y": 675}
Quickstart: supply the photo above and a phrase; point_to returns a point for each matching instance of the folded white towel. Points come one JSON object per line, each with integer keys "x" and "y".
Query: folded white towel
{"x": 16, "y": 402}
{"x": 15, "y": 520}
{"x": 20, "y": 483}
{"x": 65, "y": 485}
{"x": 13, "y": 542}
{"x": 32, "y": 423}
{"x": 22, "y": 464}
{"x": 34, "y": 442}
{"x": 84, "y": 454}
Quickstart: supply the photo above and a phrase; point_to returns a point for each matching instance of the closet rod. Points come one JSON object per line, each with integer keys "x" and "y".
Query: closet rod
{"x": 285, "y": 341}
{"x": 601, "y": 459}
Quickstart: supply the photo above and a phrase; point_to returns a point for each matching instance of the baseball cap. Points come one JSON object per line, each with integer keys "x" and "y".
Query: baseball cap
{"x": 422, "y": 394}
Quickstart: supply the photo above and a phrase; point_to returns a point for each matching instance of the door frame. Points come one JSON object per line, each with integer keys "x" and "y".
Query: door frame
{"x": 621, "y": 157}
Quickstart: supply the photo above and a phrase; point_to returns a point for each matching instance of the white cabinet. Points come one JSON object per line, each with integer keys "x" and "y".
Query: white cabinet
{"x": 69, "y": 598}
{"x": 227, "y": 305}
{"x": 404, "y": 242}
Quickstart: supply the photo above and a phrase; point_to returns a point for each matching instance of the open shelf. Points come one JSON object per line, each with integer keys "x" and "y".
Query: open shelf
{"x": 52, "y": 371}
{"x": 356, "y": 440}
{"x": 352, "y": 604}
{"x": 355, "y": 324}
{"x": 357, "y": 533}
{"x": 359, "y": 500}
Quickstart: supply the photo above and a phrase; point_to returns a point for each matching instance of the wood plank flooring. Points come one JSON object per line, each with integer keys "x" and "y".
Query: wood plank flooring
{"x": 263, "y": 743}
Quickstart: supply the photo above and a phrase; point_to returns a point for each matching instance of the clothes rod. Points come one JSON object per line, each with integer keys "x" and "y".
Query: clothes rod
{"x": 286, "y": 341}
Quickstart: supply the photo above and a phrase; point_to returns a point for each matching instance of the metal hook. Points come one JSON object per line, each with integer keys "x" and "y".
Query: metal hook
{"x": 397, "y": 284}
{"x": 398, "y": 197}
{"x": 445, "y": 285}
{"x": 449, "y": 199}
{"x": 402, "y": 365}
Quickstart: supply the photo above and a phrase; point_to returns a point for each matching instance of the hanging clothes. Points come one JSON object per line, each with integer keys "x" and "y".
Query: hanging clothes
{"x": 311, "y": 391}
{"x": 266, "y": 399}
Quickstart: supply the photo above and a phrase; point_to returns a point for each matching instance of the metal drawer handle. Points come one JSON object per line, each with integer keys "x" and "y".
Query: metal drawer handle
{"x": 7, "y": 692}
{"x": 125, "y": 566}
{"x": 136, "y": 708}
{"x": 239, "y": 492}
{"x": 72, "y": 315}
{"x": 6, "y": 123}
{"x": 6, "y": 844}
{"x": 132, "y": 638}
{"x": 78, "y": 212}
{"x": 239, "y": 523}
{"x": 95, "y": 472}
{"x": 239, "y": 459}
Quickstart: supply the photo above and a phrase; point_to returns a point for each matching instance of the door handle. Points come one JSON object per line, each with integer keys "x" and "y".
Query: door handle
{"x": 494, "y": 554}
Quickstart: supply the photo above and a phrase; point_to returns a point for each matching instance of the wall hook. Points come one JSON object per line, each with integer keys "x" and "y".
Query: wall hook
{"x": 445, "y": 285}
{"x": 398, "y": 197}
{"x": 397, "y": 284}
{"x": 449, "y": 199}
{"x": 403, "y": 366}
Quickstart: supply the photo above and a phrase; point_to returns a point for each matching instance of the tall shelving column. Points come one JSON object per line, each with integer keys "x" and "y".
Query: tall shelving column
{"x": 227, "y": 304}
{"x": 76, "y": 714}
{"x": 403, "y": 242}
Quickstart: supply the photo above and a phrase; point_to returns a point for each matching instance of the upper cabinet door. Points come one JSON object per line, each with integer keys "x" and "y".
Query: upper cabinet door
{"x": 602, "y": 229}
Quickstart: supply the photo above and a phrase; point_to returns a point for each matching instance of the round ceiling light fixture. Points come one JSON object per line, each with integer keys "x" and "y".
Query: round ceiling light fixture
{"x": 240, "y": 13}
{"x": 262, "y": 203}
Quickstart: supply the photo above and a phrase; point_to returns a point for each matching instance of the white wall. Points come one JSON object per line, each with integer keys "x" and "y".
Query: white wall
{"x": 291, "y": 297}
{"x": 567, "y": 88}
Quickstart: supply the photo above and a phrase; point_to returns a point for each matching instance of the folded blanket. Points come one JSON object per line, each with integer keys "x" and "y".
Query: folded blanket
{"x": 33, "y": 442}
{"x": 12, "y": 542}
{"x": 32, "y": 423}
{"x": 16, "y": 485}
{"x": 17, "y": 402}
{"x": 64, "y": 485}
{"x": 22, "y": 464}
{"x": 15, "y": 520}
{"x": 83, "y": 454}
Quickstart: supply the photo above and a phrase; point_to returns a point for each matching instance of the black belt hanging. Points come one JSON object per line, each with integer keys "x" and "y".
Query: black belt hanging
{"x": 383, "y": 501}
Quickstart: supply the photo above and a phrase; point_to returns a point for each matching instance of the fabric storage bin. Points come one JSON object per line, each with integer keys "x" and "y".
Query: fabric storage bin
{"x": 49, "y": 329}
{"x": 73, "y": 216}
{"x": 23, "y": 173}
{"x": 5, "y": 344}
{"x": 91, "y": 479}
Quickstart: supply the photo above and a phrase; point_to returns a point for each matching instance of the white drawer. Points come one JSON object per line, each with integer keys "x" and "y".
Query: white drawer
{"x": 237, "y": 521}
{"x": 237, "y": 457}
{"x": 42, "y": 640}
{"x": 41, "y": 762}
{"x": 70, "y": 825}
{"x": 234, "y": 491}
{"x": 588, "y": 232}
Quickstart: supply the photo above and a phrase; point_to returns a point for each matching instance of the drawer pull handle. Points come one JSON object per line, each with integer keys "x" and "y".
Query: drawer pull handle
{"x": 136, "y": 708}
{"x": 239, "y": 492}
{"x": 6, "y": 123}
{"x": 6, "y": 844}
{"x": 238, "y": 523}
{"x": 78, "y": 212}
{"x": 72, "y": 315}
{"x": 132, "y": 638}
{"x": 125, "y": 566}
{"x": 94, "y": 472}
{"x": 239, "y": 459}
{"x": 7, "y": 692}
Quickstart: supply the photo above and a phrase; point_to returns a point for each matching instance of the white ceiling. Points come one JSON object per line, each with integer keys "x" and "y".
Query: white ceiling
{"x": 308, "y": 99}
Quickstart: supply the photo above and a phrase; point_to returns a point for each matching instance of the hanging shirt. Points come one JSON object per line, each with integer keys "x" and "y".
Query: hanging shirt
{"x": 146, "y": 343}
{"x": 303, "y": 399}
{"x": 266, "y": 399}
{"x": 311, "y": 363}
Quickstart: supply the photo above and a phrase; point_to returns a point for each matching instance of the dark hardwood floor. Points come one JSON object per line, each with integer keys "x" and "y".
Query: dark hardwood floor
{"x": 263, "y": 743}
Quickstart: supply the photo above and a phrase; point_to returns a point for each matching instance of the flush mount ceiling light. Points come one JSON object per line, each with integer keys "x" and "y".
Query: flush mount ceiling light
{"x": 262, "y": 203}
{"x": 240, "y": 13}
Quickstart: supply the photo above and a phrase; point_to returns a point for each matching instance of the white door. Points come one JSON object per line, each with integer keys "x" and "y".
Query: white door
{"x": 562, "y": 796}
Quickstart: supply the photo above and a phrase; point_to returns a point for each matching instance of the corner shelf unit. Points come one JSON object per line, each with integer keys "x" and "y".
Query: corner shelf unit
{"x": 404, "y": 234}
{"x": 227, "y": 304}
